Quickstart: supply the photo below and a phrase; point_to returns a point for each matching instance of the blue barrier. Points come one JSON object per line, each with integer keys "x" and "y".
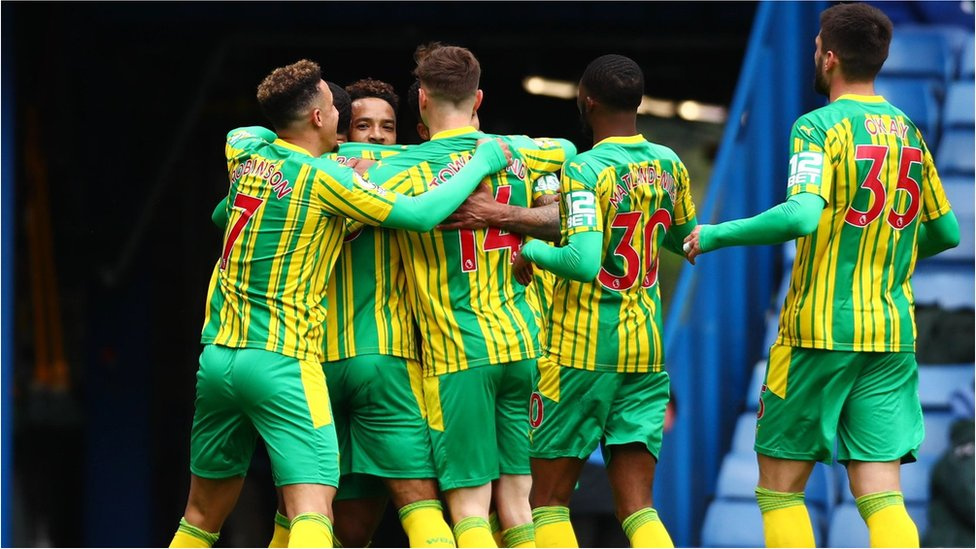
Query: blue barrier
{"x": 714, "y": 331}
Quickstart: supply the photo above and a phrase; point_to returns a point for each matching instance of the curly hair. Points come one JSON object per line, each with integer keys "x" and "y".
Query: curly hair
{"x": 343, "y": 105}
{"x": 447, "y": 72}
{"x": 614, "y": 80}
{"x": 370, "y": 87}
{"x": 286, "y": 94}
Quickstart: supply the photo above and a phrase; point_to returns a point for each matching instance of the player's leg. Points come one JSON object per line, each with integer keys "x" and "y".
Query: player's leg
{"x": 389, "y": 439}
{"x": 567, "y": 414}
{"x": 461, "y": 415}
{"x": 358, "y": 509}
{"x": 799, "y": 408}
{"x": 510, "y": 493}
{"x": 292, "y": 414}
{"x": 632, "y": 442}
{"x": 222, "y": 441}
{"x": 881, "y": 426}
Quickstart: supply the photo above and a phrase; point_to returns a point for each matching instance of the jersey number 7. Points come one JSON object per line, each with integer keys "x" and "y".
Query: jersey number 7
{"x": 248, "y": 205}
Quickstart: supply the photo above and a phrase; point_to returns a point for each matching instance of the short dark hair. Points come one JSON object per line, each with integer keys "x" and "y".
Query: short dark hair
{"x": 447, "y": 72}
{"x": 859, "y": 34}
{"x": 370, "y": 87}
{"x": 343, "y": 105}
{"x": 286, "y": 94}
{"x": 413, "y": 99}
{"x": 615, "y": 81}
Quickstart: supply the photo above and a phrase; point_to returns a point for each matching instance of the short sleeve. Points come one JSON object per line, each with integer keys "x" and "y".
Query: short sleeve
{"x": 579, "y": 208}
{"x": 684, "y": 207}
{"x": 545, "y": 185}
{"x": 344, "y": 193}
{"x": 811, "y": 169}
{"x": 542, "y": 155}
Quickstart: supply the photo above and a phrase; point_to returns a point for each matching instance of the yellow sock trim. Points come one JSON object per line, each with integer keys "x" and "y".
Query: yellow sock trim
{"x": 310, "y": 530}
{"x": 553, "y": 528}
{"x": 888, "y": 522}
{"x": 424, "y": 523}
{"x": 496, "y": 528}
{"x": 522, "y": 535}
{"x": 770, "y": 500}
{"x": 188, "y": 535}
{"x": 788, "y": 526}
{"x": 473, "y": 532}
{"x": 644, "y": 529}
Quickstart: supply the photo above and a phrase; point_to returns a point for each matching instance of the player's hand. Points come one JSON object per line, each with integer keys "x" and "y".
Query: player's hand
{"x": 495, "y": 152}
{"x": 360, "y": 164}
{"x": 692, "y": 245}
{"x": 477, "y": 212}
{"x": 522, "y": 269}
{"x": 545, "y": 200}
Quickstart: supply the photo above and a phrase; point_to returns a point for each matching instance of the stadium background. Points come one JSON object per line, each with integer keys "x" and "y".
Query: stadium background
{"x": 114, "y": 116}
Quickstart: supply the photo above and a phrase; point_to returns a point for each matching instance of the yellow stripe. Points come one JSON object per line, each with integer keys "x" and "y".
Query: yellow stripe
{"x": 778, "y": 369}
{"x": 316, "y": 393}
{"x": 432, "y": 396}
{"x": 549, "y": 378}
{"x": 416, "y": 374}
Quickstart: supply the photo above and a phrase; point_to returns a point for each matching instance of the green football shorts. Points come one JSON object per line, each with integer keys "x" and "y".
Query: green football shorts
{"x": 478, "y": 425}
{"x": 381, "y": 422}
{"x": 246, "y": 393}
{"x": 868, "y": 402}
{"x": 573, "y": 410}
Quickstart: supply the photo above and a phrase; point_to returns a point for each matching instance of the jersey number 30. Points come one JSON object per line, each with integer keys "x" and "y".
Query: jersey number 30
{"x": 248, "y": 205}
{"x": 628, "y": 221}
{"x": 878, "y": 154}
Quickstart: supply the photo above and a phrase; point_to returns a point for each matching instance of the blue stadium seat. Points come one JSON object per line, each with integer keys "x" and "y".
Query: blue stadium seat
{"x": 966, "y": 69}
{"x": 958, "y": 109}
{"x": 937, "y": 427}
{"x": 948, "y": 285}
{"x": 936, "y": 382}
{"x": 917, "y": 99}
{"x": 847, "y": 529}
{"x": 738, "y": 523}
{"x": 921, "y": 54}
{"x": 961, "y": 192}
{"x": 738, "y": 476}
{"x": 735, "y": 523}
{"x": 744, "y": 436}
{"x": 955, "y": 155}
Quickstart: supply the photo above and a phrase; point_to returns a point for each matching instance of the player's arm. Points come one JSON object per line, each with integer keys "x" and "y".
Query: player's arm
{"x": 481, "y": 210}
{"x": 219, "y": 215}
{"x": 376, "y": 206}
{"x": 938, "y": 235}
{"x": 798, "y": 216}
{"x": 579, "y": 259}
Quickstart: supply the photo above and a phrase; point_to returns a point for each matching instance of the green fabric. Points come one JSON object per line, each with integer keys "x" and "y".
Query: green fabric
{"x": 189, "y": 529}
{"x": 796, "y": 217}
{"x": 541, "y": 516}
{"x": 770, "y": 500}
{"x": 870, "y": 504}
{"x": 313, "y": 517}
{"x": 579, "y": 259}
{"x": 219, "y": 215}
{"x": 493, "y": 522}
{"x": 638, "y": 519}
{"x": 938, "y": 235}
{"x": 423, "y": 212}
{"x": 675, "y": 237}
{"x": 282, "y": 520}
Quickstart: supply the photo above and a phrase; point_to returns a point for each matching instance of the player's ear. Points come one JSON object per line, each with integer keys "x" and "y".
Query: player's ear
{"x": 422, "y": 99}
{"x": 317, "y": 117}
{"x": 830, "y": 60}
{"x": 589, "y": 102}
{"x": 478, "y": 96}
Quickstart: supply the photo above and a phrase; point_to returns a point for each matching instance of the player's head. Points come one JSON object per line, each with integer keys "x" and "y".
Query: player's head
{"x": 611, "y": 85}
{"x": 374, "y": 108}
{"x": 449, "y": 78}
{"x": 413, "y": 100}
{"x": 854, "y": 40}
{"x": 342, "y": 104}
{"x": 297, "y": 101}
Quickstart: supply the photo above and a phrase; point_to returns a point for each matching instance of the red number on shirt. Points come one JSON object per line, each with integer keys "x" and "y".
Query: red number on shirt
{"x": 248, "y": 205}
{"x": 878, "y": 154}
{"x": 495, "y": 238}
{"x": 628, "y": 221}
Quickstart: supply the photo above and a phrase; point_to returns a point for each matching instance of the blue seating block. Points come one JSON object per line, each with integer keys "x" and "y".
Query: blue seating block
{"x": 937, "y": 428}
{"x": 958, "y": 109}
{"x": 966, "y": 69}
{"x": 936, "y": 382}
{"x": 738, "y": 523}
{"x": 758, "y": 373}
{"x": 961, "y": 193}
{"x": 917, "y": 98}
{"x": 919, "y": 54}
{"x": 948, "y": 285}
{"x": 955, "y": 154}
{"x": 744, "y": 436}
